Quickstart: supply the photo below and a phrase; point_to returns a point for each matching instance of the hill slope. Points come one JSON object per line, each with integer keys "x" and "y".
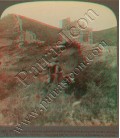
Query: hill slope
{"x": 108, "y": 35}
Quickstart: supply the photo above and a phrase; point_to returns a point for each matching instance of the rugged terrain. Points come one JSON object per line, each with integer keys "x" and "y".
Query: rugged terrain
{"x": 95, "y": 90}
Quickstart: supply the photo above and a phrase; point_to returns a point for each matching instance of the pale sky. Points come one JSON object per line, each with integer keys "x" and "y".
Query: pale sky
{"x": 52, "y": 12}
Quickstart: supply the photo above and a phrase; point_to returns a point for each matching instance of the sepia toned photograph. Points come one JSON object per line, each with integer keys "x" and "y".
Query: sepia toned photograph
{"x": 58, "y": 65}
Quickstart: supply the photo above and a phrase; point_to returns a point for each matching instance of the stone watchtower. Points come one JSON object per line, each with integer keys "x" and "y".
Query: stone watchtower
{"x": 83, "y": 36}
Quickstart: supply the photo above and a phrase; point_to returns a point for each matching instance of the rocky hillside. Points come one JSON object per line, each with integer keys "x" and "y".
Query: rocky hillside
{"x": 109, "y": 35}
{"x": 22, "y": 41}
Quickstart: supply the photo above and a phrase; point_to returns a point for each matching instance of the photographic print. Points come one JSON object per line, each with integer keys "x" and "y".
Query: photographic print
{"x": 58, "y": 68}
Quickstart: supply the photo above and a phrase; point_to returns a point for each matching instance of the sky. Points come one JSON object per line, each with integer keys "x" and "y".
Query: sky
{"x": 53, "y": 12}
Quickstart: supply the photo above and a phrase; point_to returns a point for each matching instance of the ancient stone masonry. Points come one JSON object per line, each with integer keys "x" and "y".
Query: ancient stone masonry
{"x": 83, "y": 36}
